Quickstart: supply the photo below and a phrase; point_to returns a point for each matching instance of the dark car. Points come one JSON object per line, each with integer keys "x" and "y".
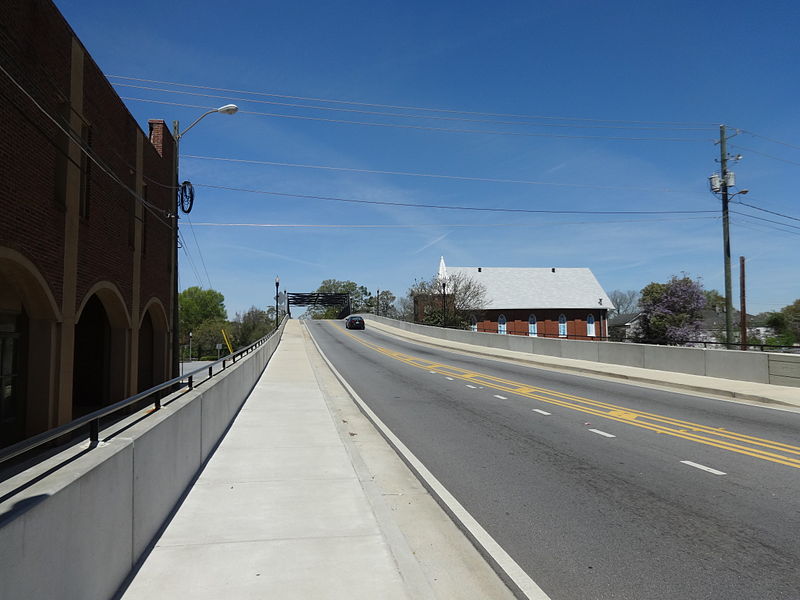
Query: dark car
{"x": 354, "y": 323}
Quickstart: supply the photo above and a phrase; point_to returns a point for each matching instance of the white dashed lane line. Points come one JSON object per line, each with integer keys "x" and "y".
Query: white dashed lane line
{"x": 703, "y": 467}
{"x": 541, "y": 412}
{"x": 449, "y": 378}
{"x": 603, "y": 433}
{"x": 500, "y": 397}
{"x": 472, "y": 387}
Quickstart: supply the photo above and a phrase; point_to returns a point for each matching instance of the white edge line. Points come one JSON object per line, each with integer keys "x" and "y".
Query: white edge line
{"x": 506, "y": 567}
{"x": 703, "y": 467}
{"x": 541, "y": 412}
{"x": 603, "y": 433}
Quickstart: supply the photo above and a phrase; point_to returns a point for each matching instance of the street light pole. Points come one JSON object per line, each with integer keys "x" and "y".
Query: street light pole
{"x": 177, "y": 134}
{"x": 277, "y": 284}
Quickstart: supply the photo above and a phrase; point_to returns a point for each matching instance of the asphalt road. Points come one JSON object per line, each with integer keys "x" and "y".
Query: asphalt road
{"x": 597, "y": 489}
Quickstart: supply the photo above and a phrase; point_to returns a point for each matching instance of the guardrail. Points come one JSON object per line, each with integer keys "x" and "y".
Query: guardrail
{"x": 92, "y": 420}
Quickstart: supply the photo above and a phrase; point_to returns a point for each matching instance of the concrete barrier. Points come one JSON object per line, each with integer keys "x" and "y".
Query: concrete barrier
{"x": 758, "y": 367}
{"x": 75, "y": 525}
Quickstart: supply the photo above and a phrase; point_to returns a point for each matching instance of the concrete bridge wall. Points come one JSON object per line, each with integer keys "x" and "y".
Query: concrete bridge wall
{"x": 759, "y": 367}
{"x": 76, "y": 525}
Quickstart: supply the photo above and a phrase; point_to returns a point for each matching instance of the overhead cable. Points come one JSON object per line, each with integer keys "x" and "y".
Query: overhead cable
{"x": 87, "y": 151}
{"x": 408, "y": 116}
{"x": 791, "y": 162}
{"x": 442, "y": 225}
{"x": 427, "y": 128}
{"x": 452, "y": 207}
{"x": 436, "y": 175}
{"x": 402, "y": 107}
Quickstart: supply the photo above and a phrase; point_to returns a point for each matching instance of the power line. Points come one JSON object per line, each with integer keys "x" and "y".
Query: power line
{"x": 769, "y": 139}
{"x": 453, "y": 207}
{"x": 409, "y": 116}
{"x": 772, "y": 212}
{"x": 791, "y": 162}
{"x": 762, "y": 228}
{"x": 401, "y": 107}
{"x": 199, "y": 251}
{"x": 427, "y": 128}
{"x": 442, "y": 225}
{"x": 87, "y": 151}
{"x": 189, "y": 256}
{"x": 437, "y": 175}
{"x": 766, "y": 220}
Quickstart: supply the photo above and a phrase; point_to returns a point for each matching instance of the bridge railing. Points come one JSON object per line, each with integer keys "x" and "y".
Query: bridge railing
{"x": 92, "y": 420}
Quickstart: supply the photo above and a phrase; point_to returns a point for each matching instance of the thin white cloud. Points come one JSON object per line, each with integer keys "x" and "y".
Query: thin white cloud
{"x": 431, "y": 243}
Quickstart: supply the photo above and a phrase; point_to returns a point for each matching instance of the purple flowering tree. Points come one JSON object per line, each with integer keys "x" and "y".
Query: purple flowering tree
{"x": 672, "y": 311}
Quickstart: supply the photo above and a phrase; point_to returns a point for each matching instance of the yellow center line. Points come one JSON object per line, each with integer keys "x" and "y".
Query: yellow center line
{"x": 644, "y": 420}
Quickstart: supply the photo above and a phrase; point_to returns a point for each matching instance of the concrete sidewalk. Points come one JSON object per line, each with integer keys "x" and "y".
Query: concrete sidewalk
{"x": 742, "y": 391}
{"x": 288, "y": 507}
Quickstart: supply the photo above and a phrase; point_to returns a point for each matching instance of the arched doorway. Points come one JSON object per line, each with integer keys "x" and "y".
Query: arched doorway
{"x": 91, "y": 387}
{"x": 153, "y": 346}
{"x": 100, "y": 352}
{"x": 28, "y": 318}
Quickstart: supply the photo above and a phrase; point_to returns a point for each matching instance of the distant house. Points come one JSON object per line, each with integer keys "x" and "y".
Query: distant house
{"x": 624, "y": 326}
{"x": 546, "y": 302}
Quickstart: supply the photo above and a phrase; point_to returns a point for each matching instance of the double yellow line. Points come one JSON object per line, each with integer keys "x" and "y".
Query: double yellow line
{"x": 777, "y": 452}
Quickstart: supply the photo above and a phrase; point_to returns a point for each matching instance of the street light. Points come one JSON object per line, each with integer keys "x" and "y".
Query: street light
{"x": 277, "y": 283}
{"x": 177, "y": 134}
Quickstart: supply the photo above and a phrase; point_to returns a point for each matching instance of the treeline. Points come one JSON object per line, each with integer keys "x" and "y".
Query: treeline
{"x": 202, "y": 313}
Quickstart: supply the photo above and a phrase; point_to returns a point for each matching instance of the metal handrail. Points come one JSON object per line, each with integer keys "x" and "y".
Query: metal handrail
{"x": 92, "y": 420}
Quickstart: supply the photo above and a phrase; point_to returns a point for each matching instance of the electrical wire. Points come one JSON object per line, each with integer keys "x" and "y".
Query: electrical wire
{"x": 452, "y": 207}
{"x": 437, "y": 175}
{"x": 791, "y": 162}
{"x": 401, "y": 107}
{"x": 426, "y": 128}
{"x": 199, "y": 251}
{"x": 407, "y": 116}
{"x": 761, "y": 228}
{"x": 769, "y": 139}
{"x": 772, "y": 212}
{"x": 442, "y": 225}
{"x": 189, "y": 257}
{"x": 766, "y": 220}
{"x": 87, "y": 151}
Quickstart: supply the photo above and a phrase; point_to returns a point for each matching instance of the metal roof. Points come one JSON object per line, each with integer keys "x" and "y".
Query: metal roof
{"x": 509, "y": 287}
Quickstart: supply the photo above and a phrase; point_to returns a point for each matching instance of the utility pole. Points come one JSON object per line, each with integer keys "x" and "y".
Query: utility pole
{"x": 743, "y": 304}
{"x": 726, "y": 238}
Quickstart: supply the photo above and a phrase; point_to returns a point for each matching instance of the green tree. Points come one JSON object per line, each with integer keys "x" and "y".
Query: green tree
{"x": 252, "y": 325}
{"x": 786, "y": 324}
{"x": 359, "y": 299}
{"x": 197, "y": 305}
{"x": 672, "y": 311}
{"x": 714, "y": 300}
{"x": 207, "y": 335}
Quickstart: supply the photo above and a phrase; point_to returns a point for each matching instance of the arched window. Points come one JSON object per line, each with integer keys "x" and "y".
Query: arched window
{"x": 473, "y": 323}
{"x": 532, "y": 331}
{"x": 562, "y": 326}
{"x": 501, "y": 324}
{"x": 590, "y": 326}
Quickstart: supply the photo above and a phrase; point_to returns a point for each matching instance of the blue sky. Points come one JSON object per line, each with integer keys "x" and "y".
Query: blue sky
{"x": 614, "y": 69}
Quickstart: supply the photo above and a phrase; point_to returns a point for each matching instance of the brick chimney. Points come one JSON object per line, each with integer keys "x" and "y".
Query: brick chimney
{"x": 161, "y": 137}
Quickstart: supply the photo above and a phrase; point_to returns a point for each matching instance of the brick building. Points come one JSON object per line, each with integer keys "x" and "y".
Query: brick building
{"x": 86, "y": 234}
{"x": 546, "y": 302}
